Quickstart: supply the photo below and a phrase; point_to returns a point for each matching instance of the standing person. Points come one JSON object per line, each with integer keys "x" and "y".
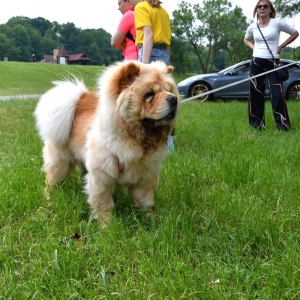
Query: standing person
{"x": 153, "y": 36}
{"x": 262, "y": 61}
{"x": 124, "y": 37}
{"x": 153, "y": 31}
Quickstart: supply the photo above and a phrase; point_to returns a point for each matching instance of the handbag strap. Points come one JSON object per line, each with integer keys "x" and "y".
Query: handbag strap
{"x": 267, "y": 45}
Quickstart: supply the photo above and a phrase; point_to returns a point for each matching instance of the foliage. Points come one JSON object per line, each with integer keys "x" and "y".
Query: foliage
{"x": 185, "y": 27}
{"x": 207, "y": 37}
{"x": 287, "y": 8}
{"x": 232, "y": 42}
{"x": 211, "y": 28}
{"x": 22, "y": 36}
{"x": 290, "y": 53}
{"x": 181, "y": 56}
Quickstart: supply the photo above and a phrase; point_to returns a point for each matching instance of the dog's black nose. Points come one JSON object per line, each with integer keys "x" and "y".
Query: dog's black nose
{"x": 172, "y": 99}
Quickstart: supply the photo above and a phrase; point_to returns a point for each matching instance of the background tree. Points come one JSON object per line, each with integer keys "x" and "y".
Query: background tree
{"x": 211, "y": 28}
{"x": 232, "y": 43}
{"x": 181, "y": 57}
{"x": 41, "y": 25}
{"x": 21, "y": 37}
{"x": 22, "y": 43}
{"x": 47, "y": 42}
{"x": 186, "y": 28}
{"x": 205, "y": 38}
{"x": 3, "y": 44}
{"x": 71, "y": 38}
{"x": 214, "y": 18}
{"x": 287, "y": 8}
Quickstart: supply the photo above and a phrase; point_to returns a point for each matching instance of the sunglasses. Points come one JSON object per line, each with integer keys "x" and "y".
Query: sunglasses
{"x": 261, "y": 6}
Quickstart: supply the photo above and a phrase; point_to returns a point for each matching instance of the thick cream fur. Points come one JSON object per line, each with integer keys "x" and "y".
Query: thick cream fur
{"x": 104, "y": 132}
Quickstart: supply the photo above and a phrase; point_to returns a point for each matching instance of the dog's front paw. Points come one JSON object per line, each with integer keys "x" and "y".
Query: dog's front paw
{"x": 47, "y": 192}
{"x": 103, "y": 217}
{"x": 149, "y": 211}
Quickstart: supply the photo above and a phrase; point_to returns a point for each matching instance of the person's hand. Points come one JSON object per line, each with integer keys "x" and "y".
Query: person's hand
{"x": 278, "y": 50}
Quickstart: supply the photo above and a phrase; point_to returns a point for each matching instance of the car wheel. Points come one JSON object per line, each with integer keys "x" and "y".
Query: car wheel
{"x": 294, "y": 91}
{"x": 199, "y": 88}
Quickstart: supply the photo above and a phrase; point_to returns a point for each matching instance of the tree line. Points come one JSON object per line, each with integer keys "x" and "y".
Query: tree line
{"x": 210, "y": 37}
{"x": 206, "y": 38}
{"x": 21, "y": 37}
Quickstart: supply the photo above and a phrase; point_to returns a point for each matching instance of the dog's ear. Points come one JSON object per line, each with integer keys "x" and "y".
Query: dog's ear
{"x": 128, "y": 74}
{"x": 170, "y": 69}
{"x": 118, "y": 77}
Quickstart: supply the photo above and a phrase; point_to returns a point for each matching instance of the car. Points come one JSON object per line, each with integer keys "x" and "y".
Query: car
{"x": 196, "y": 85}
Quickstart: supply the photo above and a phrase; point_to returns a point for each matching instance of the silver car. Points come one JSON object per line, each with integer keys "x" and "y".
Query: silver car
{"x": 196, "y": 85}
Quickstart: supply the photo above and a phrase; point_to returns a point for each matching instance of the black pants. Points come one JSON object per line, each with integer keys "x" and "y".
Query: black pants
{"x": 256, "y": 101}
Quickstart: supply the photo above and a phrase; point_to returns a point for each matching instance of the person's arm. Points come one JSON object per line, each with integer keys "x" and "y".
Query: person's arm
{"x": 289, "y": 40}
{"x": 147, "y": 44}
{"x": 249, "y": 43}
{"x": 117, "y": 40}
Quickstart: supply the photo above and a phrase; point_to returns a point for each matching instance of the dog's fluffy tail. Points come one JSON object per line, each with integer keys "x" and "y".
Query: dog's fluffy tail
{"x": 54, "y": 113}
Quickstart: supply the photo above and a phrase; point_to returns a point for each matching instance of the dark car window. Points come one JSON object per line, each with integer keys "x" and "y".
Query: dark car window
{"x": 244, "y": 69}
{"x": 295, "y": 66}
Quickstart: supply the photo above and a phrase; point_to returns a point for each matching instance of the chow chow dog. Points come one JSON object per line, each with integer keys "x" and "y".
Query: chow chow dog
{"x": 118, "y": 133}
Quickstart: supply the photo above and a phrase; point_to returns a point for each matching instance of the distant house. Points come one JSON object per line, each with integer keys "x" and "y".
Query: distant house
{"x": 70, "y": 59}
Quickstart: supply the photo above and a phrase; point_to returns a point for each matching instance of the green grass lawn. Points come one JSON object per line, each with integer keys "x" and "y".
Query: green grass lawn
{"x": 35, "y": 78}
{"x": 227, "y": 224}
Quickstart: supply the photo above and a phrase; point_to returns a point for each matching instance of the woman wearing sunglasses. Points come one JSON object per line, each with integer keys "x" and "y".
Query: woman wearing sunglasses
{"x": 262, "y": 61}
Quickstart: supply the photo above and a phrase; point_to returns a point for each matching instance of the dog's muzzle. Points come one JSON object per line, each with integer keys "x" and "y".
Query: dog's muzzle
{"x": 173, "y": 103}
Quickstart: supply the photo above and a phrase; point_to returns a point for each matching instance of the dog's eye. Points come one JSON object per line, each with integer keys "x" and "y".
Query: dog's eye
{"x": 149, "y": 96}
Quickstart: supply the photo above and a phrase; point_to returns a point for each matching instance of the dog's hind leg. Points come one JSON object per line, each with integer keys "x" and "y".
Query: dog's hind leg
{"x": 58, "y": 165}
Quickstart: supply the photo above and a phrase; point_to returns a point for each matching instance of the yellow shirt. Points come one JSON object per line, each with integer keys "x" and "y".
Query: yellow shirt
{"x": 157, "y": 18}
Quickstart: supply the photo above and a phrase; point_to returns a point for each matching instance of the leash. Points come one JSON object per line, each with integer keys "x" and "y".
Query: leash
{"x": 235, "y": 83}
